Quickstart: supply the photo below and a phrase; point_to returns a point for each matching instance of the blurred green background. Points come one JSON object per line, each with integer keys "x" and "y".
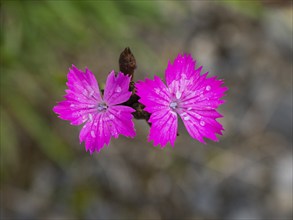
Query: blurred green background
{"x": 46, "y": 173}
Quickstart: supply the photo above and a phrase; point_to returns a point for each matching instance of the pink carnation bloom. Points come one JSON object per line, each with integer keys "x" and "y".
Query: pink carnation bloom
{"x": 103, "y": 116}
{"x": 192, "y": 96}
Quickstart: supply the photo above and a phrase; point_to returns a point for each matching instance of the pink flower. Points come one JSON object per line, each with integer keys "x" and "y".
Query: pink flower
{"x": 103, "y": 116}
{"x": 192, "y": 96}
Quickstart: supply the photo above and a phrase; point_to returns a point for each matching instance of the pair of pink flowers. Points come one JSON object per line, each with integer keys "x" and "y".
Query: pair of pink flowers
{"x": 192, "y": 96}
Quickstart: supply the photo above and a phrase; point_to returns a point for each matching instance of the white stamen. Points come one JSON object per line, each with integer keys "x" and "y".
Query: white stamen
{"x": 173, "y": 105}
{"x": 102, "y": 106}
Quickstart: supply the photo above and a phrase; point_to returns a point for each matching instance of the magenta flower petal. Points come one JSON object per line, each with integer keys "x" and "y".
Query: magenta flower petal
{"x": 192, "y": 96}
{"x": 153, "y": 94}
{"x": 94, "y": 134}
{"x": 183, "y": 66}
{"x": 81, "y": 97}
{"x": 122, "y": 120}
{"x": 164, "y": 127}
{"x": 76, "y": 113}
{"x": 103, "y": 117}
{"x": 83, "y": 83}
{"x": 116, "y": 89}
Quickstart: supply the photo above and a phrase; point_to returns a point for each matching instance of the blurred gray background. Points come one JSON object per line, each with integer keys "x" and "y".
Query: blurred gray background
{"x": 46, "y": 173}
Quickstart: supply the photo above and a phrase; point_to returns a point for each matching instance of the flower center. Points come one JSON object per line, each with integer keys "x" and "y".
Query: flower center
{"x": 173, "y": 105}
{"x": 102, "y": 107}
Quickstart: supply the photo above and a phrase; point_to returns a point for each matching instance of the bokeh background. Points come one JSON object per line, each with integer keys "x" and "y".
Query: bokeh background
{"x": 46, "y": 173}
